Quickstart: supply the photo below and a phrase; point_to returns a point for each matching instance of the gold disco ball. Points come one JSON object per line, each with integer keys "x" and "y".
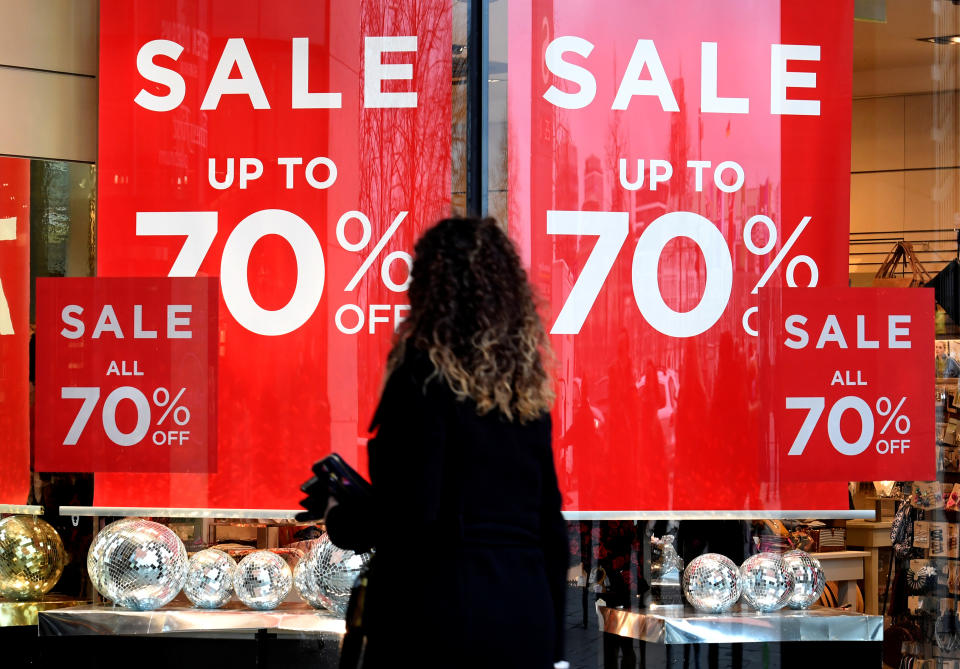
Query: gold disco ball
{"x": 31, "y": 557}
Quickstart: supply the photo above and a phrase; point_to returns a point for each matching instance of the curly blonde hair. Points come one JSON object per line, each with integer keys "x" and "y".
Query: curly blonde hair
{"x": 472, "y": 311}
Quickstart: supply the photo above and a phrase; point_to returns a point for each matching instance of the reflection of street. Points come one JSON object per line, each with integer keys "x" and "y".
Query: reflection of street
{"x": 667, "y": 413}
{"x": 626, "y": 417}
{"x": 651, "y": 399}
{"x": 586, "y": 430}
{"x": 611, "y": 557}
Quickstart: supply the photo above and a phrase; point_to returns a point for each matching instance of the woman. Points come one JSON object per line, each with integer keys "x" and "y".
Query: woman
{"x": 471, "y": 546}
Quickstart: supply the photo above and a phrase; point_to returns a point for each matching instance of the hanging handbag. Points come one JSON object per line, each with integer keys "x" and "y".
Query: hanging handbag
{"x": 902, "y": 533}
{"x": 915, "y": 275}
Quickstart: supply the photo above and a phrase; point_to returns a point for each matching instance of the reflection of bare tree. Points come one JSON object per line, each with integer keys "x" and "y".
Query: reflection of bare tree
{"x": 458, "y": 140}
{"x": 616, "y": 148}
{"x": 404, "y": 159}
{"x": 405, "y": 154}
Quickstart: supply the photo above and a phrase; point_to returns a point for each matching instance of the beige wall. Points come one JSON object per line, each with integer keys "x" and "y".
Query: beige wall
{"x": 48, "y": 84}
{"x": 905, "y": 177}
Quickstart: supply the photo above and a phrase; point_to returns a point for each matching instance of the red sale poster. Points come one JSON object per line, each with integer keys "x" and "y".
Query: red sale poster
{"x": 294, "y": 151}
{"x": 667, "y": 160}
{"x": 126, "y": 375}
{"x": 14, "y": 330}
{"x": 846, "y": 375}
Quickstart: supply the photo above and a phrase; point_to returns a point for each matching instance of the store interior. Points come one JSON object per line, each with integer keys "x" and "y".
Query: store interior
{"x": 905, "y": 188}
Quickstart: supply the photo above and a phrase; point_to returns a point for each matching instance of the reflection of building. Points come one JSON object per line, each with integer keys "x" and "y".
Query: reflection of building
{"x": 567, "y": 178}
{"x": 592, "y": 184}
{"x": 679, "y": 146}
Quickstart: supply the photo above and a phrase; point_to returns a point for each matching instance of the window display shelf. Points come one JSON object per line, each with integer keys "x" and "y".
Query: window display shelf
{"x": 741, "y": 625}
{"x": 288, "y": 514}
{"x": 21, "y": 614}
{"x": 234, "y": 619}
{"x": 21, "y": 509}
{"x": 772, "y": 514}
{"x": 277, "y": 515}
{"x": 842, "y": 565}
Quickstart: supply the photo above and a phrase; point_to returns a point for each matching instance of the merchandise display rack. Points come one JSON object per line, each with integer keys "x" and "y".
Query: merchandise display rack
{"x": 21, "y": 509}
{"x": 232, "y": 620}
{"x": 683, "y": 625}
{"x": 275, "y": 515}
{"x": 292, "y": 635}
{"x": 750, "y": 638}
{"x": 735, "y": 514}
{"x": 26, "y": 614}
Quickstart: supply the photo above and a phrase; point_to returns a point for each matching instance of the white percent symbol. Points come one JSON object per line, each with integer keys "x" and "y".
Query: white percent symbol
{"x": 901, "y": 422}
{"x": 356, "y": 247}
{"x": 771, "y": 227}
{"x": 8, "y": 233}
{"x": 161, "y": 399}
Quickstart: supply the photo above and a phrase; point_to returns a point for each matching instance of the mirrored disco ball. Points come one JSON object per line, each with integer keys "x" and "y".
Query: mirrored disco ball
{"x": 137, "y": 564}
{"x": 31, "y": 557}
{"x": 209, "y": 583}
{"x": 262, "y": 580}
{"x": 766, "y": 582}
{"x": 808, "y": 578}
{"x": 711, "y": 583}
{"x": 307, "y": 585}
{"x": 334, "y": 570}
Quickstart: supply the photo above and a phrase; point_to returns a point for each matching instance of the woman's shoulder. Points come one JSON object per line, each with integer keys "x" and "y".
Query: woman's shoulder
{"x": 414, "y": 373}
{"x": 413, "y": 382}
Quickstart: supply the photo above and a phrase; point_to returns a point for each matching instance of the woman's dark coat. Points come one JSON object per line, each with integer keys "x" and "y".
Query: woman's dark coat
{"x": 471, "y": 546}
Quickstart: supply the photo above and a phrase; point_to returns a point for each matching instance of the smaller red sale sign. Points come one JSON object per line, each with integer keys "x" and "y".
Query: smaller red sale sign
{"x": 126, "y": 375}
{"x": 847, "y": 379}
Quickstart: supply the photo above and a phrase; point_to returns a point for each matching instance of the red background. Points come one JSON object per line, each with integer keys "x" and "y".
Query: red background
{"x": 84, "y": 362}
{"x": 284, "y": 401}
{"x": 14, "y": 362}
{"x": 808, "y": 372}
{"x": 690, "y": 441}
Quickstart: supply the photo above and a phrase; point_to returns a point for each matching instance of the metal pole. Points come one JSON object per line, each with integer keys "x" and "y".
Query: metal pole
{"x": 477, "y": 86}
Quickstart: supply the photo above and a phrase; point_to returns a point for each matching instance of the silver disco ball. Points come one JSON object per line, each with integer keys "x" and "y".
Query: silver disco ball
{"x": 31, "y": 557}
{"x": 711, "y": 583}
{"x": 209, "y": 583}
{"x": 262, "y": 580}
{"x": 334, "y": 570}
{"x": 808, "y": 578}
{"x": 137, "y": 564}
{"x": 766, "y": 582}
{"x": 307, "y": 585}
